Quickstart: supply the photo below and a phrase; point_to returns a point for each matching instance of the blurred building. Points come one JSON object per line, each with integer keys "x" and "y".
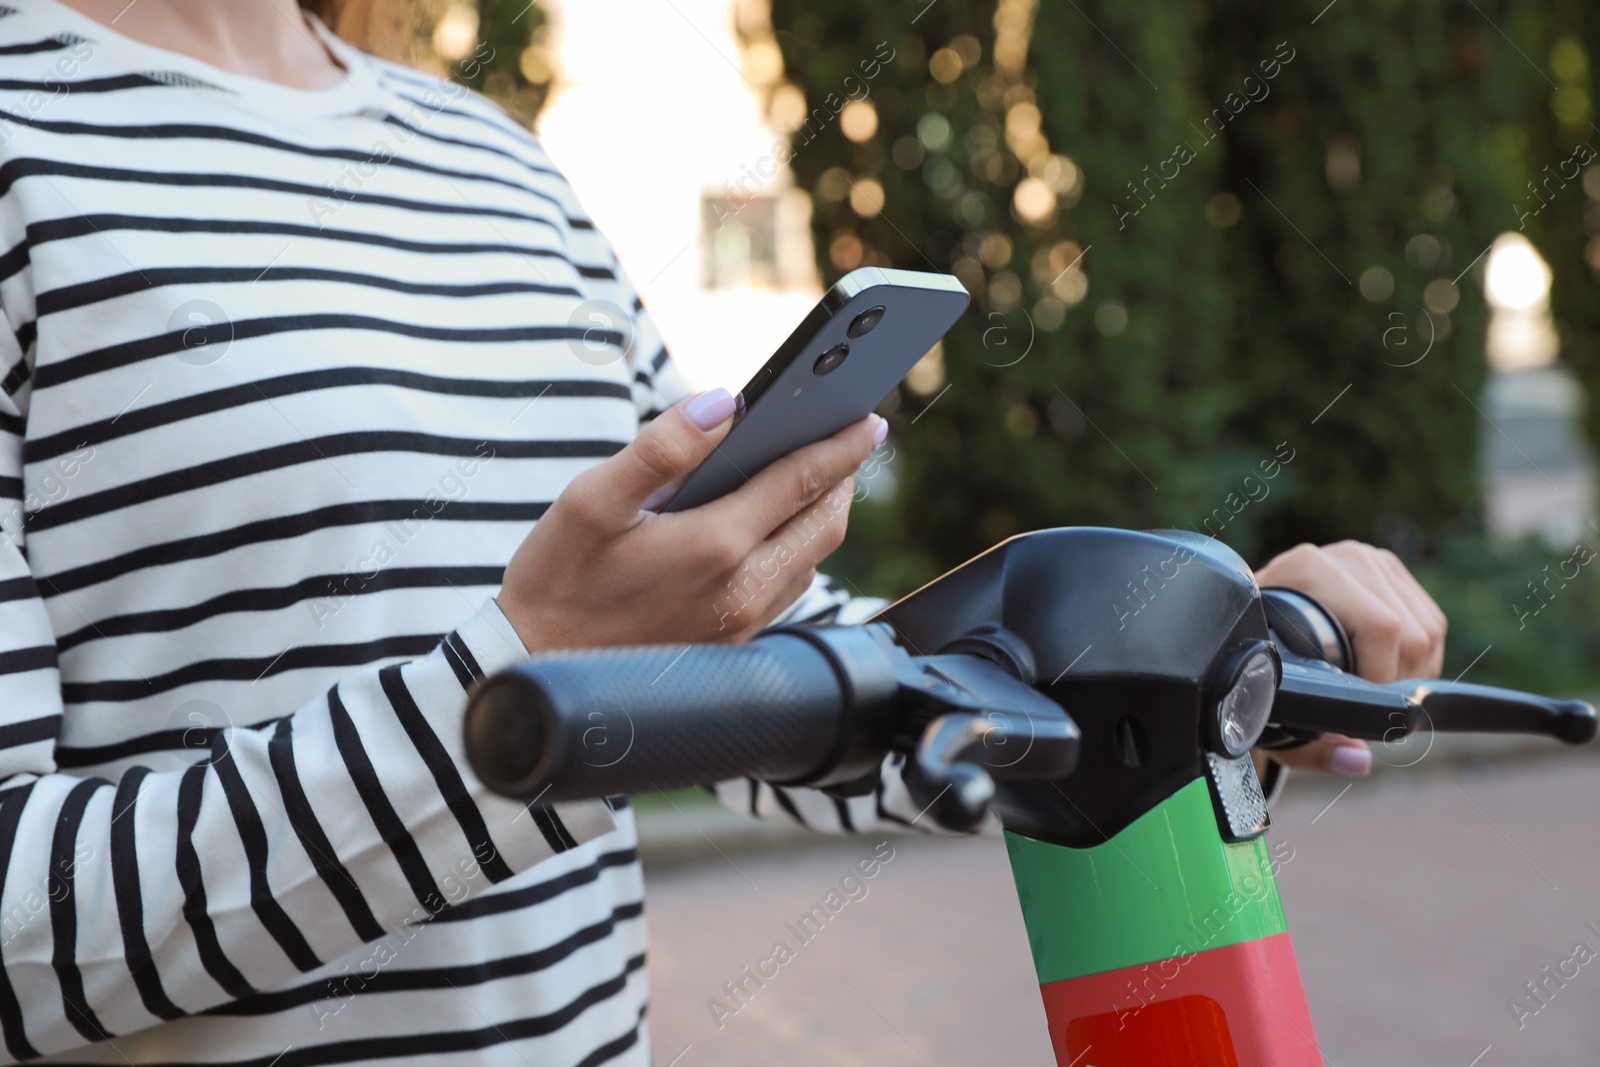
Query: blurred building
{"x": 1538, "y": 471}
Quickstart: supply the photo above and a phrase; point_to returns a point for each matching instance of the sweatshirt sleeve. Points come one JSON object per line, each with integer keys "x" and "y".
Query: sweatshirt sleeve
{"x": 161, "y": 894}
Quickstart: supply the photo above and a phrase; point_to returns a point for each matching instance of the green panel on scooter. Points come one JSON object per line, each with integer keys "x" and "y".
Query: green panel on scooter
{"x": 1166, "y": 886}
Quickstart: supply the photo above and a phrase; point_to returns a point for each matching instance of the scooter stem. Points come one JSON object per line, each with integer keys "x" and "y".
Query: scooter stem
{"x": 1165, "y": 945}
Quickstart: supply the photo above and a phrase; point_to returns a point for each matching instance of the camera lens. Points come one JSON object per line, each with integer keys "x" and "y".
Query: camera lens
{"x": 829, "y": 361}
{"x": 864, "y": 322}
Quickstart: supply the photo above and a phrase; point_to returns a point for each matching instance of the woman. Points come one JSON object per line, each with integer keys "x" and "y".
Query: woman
{"x": 300, "y": 346}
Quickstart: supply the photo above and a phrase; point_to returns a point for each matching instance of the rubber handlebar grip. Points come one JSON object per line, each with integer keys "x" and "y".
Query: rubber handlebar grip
{"x": 586, "y": 724}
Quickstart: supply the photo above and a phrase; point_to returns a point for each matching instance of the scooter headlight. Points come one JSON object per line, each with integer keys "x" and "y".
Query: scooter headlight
{"x": 1249, "y": 684}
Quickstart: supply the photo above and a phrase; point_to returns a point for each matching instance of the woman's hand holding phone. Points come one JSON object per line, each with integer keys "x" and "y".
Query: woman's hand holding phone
{"x": 603, "y": 569}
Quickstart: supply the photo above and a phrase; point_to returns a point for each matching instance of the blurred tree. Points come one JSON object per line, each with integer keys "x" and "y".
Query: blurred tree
{"x": 1052, "y": 403}
{"x": 1209, "y": 220}
{"x": 1520, "y": 614}
{"x": 1561, "y": 198}
{"x": 1144, "y": 357}
{"x": 509, "y": 61}
{"x": 1370, "y": 183}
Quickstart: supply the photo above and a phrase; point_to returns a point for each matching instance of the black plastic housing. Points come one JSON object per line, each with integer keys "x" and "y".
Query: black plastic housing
{"x": 1124, "y": 630}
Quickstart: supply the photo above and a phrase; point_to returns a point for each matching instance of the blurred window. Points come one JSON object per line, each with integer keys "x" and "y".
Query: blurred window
{"x": 740, "y": 241}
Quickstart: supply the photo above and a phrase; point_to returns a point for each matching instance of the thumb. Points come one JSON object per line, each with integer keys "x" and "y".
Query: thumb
{"x": 667, "y": 450}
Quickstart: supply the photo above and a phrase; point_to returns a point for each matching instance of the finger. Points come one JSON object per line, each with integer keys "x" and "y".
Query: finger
{"x": 1421, "y": 654}
{"x": 794, "y": 483}
{"x": 1412, "y": 644}
{"x": 1424, "y": 610}
{"x": 781, "y": 567}
{"x": 811, "y": 535}
{"x": 767, "y": 574}
{"x": 1330, "y": 754}
{"x": 792, "y": 591}
{"x": 1372, "y": 625}
{"x": 669, "y": 448}
{"x": 762, "y": 589}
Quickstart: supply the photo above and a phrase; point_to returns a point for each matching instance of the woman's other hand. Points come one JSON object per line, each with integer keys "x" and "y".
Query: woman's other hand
{"x": 1394, "y": 625}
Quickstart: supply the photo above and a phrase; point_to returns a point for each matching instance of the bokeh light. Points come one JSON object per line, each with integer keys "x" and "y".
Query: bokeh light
{"x": 1516, "y": 278}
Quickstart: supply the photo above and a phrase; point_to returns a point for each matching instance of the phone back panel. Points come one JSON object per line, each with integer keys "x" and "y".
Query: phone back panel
{"x": 787, "y": 406}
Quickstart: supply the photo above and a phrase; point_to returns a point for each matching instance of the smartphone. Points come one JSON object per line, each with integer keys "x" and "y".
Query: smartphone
{"x": 847, "y": 355}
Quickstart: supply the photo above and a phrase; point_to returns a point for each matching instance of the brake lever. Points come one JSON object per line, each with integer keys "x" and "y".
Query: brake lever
{"x": 1317, "y": 696}
{"x": 1462, "y": 707}
{"x": 978, "y": 723}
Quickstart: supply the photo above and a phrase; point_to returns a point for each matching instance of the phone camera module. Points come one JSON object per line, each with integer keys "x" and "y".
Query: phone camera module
{"x": 863, "y": 323}
{"x": 830, "y": 360}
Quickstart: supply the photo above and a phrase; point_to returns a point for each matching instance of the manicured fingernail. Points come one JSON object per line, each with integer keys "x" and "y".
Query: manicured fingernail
{"x": 1348, "y": 761}
{"x": 710, "y": 409}
{"x": 879, "y": 431}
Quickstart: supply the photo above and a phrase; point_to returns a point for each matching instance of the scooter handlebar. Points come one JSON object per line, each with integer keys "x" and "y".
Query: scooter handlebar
{"x": 820, "y": 706}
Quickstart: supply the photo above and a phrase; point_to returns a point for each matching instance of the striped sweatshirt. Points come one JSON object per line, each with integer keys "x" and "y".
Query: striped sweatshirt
{"x": 287, "y": 376}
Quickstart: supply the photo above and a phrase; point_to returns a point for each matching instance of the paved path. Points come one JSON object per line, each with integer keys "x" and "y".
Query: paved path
{"x": 1420, "y": 902}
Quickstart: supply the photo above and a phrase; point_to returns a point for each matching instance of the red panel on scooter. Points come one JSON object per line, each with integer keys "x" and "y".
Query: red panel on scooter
{"x": 1234, "y": 1006}
{"x": 1187, "y": 1032}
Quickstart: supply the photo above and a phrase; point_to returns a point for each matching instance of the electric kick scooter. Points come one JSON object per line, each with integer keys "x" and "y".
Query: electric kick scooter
{"x": 1100, "y": 690}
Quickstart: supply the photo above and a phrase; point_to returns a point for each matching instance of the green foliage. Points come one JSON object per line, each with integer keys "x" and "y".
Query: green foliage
{"x": 1520, "y": 615}
{"x": 1046, "y": 421}
{"x": 1563, "y": 49}
{"x": 1371, "y": 156}
{"x": 1223, "y": 312}
{"x": 1155, "y": 393}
